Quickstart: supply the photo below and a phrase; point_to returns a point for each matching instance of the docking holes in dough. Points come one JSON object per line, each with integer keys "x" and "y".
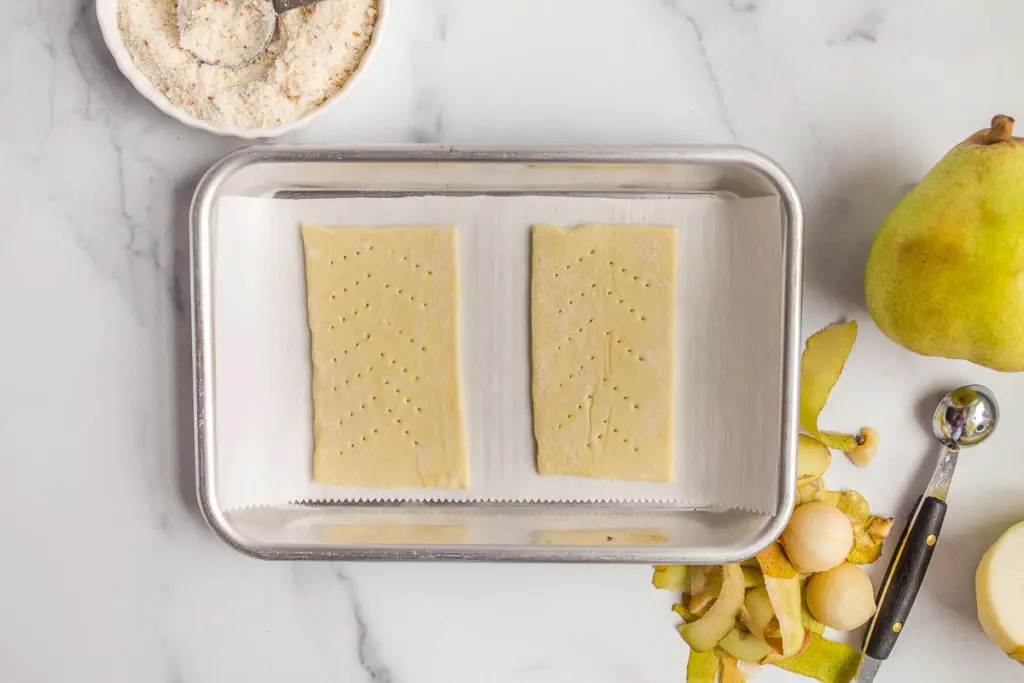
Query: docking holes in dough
{"x": 384, "y": 327}
{"x": 603, "y": 314}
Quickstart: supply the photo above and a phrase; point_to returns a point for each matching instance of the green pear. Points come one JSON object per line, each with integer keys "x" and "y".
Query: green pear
{"x": 946, "y": 272}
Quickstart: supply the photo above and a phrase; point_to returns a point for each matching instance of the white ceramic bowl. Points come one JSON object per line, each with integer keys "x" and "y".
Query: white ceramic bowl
{"x": 106, "y": 13}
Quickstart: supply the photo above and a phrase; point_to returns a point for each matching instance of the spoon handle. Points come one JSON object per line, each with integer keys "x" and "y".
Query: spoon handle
{"x": 904, "y": 577}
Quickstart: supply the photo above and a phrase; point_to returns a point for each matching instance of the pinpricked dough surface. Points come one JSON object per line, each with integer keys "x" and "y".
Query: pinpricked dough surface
{"x": 603, "y": 343}
{"x": 383, "y": 318}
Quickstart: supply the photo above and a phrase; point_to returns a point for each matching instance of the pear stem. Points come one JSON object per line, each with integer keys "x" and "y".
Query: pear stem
{"x": 1002, "y": 129}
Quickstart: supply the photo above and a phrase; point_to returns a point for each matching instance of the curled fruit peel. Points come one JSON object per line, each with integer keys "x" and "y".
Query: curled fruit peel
{"x": 699, "y": 604}
{"x": 839, "y": 441}
{"x": 705, "y": 581}
{"x": 702, "y": 667}
{"x": 787, "y": 601}
{"x": 758, "y": 613}
{"x": 811, "y": 624}
{"x": 746, "y": 647}
{"x": 812, "y": 459}
{"x": 825, "y": 661}
{"x": 850, "y": 503}
{"x": 811, "y": 491}
{"x": 671, "y": 577}
{"x": 821, "y": 365}
{"x": 730, "y": 670}
{"x": 774, "y": 563}
{"x": 879, "y": 527}
{"x": 703, "y": 635}
{"x": 752, "y": 577}
{"x": 853, "y": 505}
{"x": 684, "y": 612}
{"x": 868, "y": 535}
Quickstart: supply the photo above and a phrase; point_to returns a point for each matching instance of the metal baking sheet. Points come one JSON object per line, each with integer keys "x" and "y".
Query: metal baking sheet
{"x": 550, "y": 531}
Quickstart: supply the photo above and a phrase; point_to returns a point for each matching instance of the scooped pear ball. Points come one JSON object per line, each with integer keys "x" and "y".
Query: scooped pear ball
{"x": 817, "y": 538}
{"x": 841, "y": 598}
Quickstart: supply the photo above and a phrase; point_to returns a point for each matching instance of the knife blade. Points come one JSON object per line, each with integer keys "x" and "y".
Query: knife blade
{"x": 868, "y": 669}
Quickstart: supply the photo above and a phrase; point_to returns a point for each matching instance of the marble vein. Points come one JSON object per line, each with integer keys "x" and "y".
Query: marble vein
{"x": 428, "y": 111}
{"x": 708, "y": 65}
{"x": 369, "y": 656}
{"x": 743, "y": 6}
{"x": 865, "y": 30}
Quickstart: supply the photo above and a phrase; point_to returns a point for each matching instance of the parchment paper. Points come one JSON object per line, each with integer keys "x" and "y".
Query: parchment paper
{"x": 728, "y": 361}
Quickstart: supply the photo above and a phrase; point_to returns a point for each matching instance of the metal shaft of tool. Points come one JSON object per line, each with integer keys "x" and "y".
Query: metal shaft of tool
{"x": 938, "y": 487}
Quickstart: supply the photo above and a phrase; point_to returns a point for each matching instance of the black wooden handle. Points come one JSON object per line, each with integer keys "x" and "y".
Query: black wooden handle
{"x": 904, "y": 577}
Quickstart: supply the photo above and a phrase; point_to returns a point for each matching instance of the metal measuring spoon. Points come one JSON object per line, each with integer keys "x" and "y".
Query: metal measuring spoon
{"x": 965, "y": 417}
{"x": 245, "y": 28}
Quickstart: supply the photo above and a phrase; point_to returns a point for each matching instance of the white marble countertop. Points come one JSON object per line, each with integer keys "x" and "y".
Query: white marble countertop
{"x": 108, "y": 572}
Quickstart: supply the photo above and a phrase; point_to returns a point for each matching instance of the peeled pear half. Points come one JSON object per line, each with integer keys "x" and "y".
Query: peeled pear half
{"x": 999, "y": 583}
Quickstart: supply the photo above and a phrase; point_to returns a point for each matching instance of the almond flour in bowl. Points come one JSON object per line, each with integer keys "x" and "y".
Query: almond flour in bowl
{"x": 314, "y": 52}
{"x": 226, "y": 32}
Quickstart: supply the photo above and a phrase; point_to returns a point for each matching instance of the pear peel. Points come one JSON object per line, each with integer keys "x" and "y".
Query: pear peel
{"x": 684, "y": 613}
{"x": 671, "y": 577}
{"x": 810, "y": 492}
{"x": 839, "y": 441}
{"x": 702, "y": 635}
{"x": 746, "y": 647}
{"x": 812, "y": 459}
{"x": 730, "y": 670}
{"x": 868, "y": 535}
{"x": 702, "y": 667}
{"x": 705, "y": 581}
{"x": 811, "y": 625}
{"x": 787, "y": 602}
{"x": 850, "y": 503}
{"x": 825, "y": 661}
{"x": 759, "y": 615}
{"x": 775, "y": 564}
{"x": 700, "y": 604}
{"x": 752, "y": 577}
{"x": 821, "y": 364}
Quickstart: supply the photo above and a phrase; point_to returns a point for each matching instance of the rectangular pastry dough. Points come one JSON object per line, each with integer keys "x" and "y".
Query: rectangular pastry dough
{"x": 384, "y": 329}
{"x": 603, "y": 310}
